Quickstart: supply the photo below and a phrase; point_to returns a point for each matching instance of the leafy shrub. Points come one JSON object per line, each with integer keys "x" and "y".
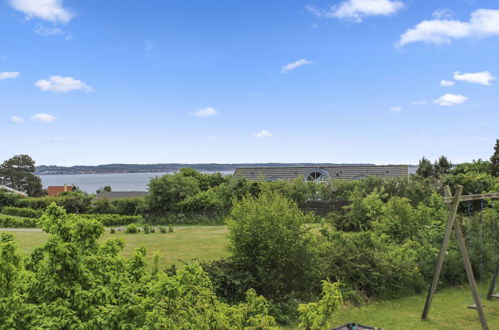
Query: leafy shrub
{"x": 75, "y": 281}
{"x": 113, "y": 219}
{"x": 370, "y": 263}
{"x": 320, "y": 315}
{"x": 8, "y": 221}
{"x": 113, "y": 230}
{"x": 8, "y": 199}
{"x": 128, "y": 206}
{"x": 162, "y": 229}
{"x": 132, "y": 228}
{"x": 147, "y": 229}
{"x": 170, "y": 229}
{"x": 267, "y": 238}
{"x": 22, "y": 212}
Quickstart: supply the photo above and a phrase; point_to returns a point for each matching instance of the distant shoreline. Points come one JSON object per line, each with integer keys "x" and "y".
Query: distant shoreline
{"x": 164, "y": 168}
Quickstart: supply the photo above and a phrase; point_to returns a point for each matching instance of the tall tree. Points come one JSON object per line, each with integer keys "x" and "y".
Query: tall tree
{"x": 442, "y": 165}
{"x": 494, "y": 170}
{"x": 17, "y": 172}
{"x": 425, "y": 168}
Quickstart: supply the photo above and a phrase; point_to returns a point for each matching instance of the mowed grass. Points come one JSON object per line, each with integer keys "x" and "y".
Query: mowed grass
{"x": 448, "y": 311}
{"x": 183, "y": 245}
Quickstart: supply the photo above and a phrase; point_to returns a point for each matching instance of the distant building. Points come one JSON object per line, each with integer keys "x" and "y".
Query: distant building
{"x": 110, "y": 195}
{"x": 56, "y": 190}
{"x": 12, "y": 190}
{"x": 322, "y": 174}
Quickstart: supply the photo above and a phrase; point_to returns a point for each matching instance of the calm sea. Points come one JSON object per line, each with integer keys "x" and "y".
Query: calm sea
{"x": 118, "y": 181}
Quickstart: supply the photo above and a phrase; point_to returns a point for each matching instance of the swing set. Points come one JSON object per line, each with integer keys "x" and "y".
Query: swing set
{"x": 454, "y": 225}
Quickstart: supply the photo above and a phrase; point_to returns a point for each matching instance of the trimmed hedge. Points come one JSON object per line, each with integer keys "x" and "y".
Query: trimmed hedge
{"x": 113, "y": 219}
{"x": 22, "y": 212}
{"x": 8, "y": 221}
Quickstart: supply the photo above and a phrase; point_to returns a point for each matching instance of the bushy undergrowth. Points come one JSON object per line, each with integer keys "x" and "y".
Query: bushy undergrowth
{"x": 9, "y": 221}
{"x": 76, "y": 282}
{"x": 22, "y": 212}
{"x": 112, "y": 219}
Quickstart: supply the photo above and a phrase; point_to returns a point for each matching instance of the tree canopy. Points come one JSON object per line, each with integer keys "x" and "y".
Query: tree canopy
{"x": 17, "y": 173}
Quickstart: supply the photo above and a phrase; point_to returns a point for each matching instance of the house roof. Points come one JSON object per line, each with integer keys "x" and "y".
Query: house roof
{"x": 56, "y": 190}
{"x": 334, "y": 172}
{"x": 120, "y": 194}
{"x": 12, "y": 190}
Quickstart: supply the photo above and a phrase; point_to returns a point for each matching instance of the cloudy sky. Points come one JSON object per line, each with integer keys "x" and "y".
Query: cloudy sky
{"x": 372, "y": 81}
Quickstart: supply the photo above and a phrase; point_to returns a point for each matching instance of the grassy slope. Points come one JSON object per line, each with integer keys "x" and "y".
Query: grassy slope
{"x": 448, "y": 311}
{"x": 186, "y": 243}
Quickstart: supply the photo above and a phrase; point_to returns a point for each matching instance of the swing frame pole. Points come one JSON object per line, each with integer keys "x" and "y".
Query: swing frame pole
{"x": 453, "y": 225}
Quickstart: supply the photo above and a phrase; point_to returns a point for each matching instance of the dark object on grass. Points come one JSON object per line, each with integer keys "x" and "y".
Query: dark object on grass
{"x": 355, "y": 326}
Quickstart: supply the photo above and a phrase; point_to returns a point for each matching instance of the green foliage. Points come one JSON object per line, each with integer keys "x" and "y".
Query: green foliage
{"x": 162, "y": 229}
{"x": 267, "y": 238}
{"x": 494, "y": 160}
{"x": 371, "y": 263}
{"x": 473, "y": 182}
{"x": 8, "y": 198}
{"x": 21, "y": 212}
{"x": 17, "y": 172}
{"x": 112, "y": 231}
{"x": 147, "y": 229}
{"x": 442, "y": 166}
{"x": 361, "y": 212}
{"x": 76, "y": 282}
{"x": 478, "y": 166}
{"x": 319, "y": 315}
{"x": 102, "y": 206}
{"x": 170, "y": 229}
{"x": 132, "y": 228}
{"x": 128, "y": 206}
{"x": 112, "y": 219}
{"x": 425, "y": 168}
{"x": 168, "y": 190}
{"x": 9, "y": 221}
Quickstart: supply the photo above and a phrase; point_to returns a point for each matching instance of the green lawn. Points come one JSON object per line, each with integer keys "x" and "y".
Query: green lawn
{"x": 185, "y": 244}
{"x": 448, "y": 311}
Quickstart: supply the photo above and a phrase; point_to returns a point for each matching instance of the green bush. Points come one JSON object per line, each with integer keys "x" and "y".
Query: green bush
{"x": 128, "y": 206}
{"x": 113, "y": 231}
{"x": 162, "y": 229}
{"x": 147, "y": 229}
{"x": 112, "y": 219}
{"x": 8, "y": 221}
{"x": 8, "y": 199}
{"x": 267, "y": 238}
{"x": 21, "y": 212}
{"x": 132, "y": 228}
{"x": 170, "y": 229}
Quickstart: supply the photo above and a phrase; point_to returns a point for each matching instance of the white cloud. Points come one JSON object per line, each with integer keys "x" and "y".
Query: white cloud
{"x": 420, "y": 102}
{"x": 294, "y": 65}
{"x": 396, "y": 109}
{"x": 483, "y": 23}
{"x": 43, "y": 117}
{"x": 48, "y": 10}
{"x": 263, "y": 134}
{"x": 443, "y": 13}
{"x": 9, "y": 75}
{"x": 206, "y": 112}
{"x": 51, "y": 31}
{"x": 447, "y": 83}
{"x": 356, "y": 10}
{"x": 482, "y": 78}
{"x": 60, "y": 84}
{"x": 448, "y": 100}
{"x": 16, "y": 119}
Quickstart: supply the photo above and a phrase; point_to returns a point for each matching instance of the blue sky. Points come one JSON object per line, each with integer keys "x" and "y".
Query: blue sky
{"x": 93, "y": 82}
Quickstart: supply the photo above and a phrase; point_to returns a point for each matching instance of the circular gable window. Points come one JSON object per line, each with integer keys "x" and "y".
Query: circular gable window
{"x": 317, "y": 176}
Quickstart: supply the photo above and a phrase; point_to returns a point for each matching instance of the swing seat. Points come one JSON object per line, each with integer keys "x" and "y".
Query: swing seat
{"x": 473, "y": 306}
